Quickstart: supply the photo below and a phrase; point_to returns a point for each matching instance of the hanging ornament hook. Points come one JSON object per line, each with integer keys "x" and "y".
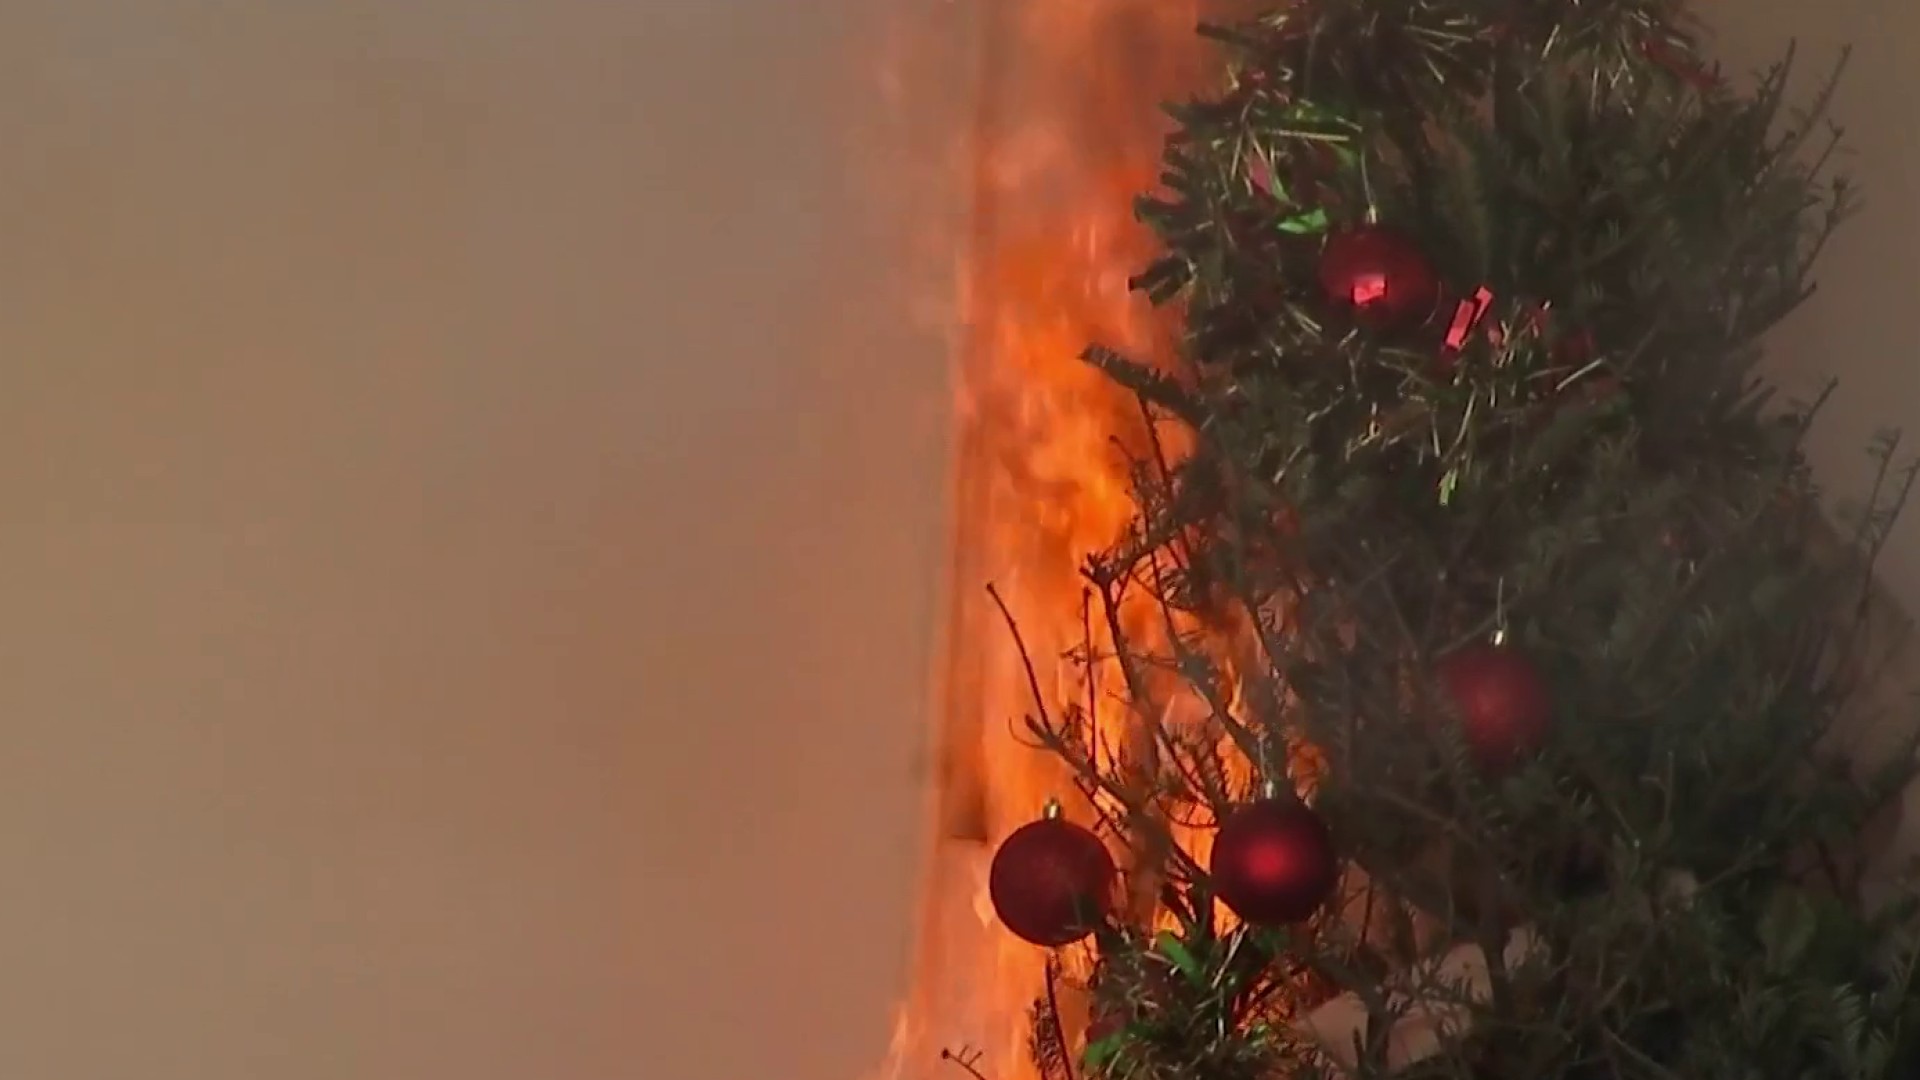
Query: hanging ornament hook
{"x": 1366, "y": 189}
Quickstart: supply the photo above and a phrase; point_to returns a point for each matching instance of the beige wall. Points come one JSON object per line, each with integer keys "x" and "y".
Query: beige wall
{"x": 1864, "y": 325}
{"x": 467, "y": 506}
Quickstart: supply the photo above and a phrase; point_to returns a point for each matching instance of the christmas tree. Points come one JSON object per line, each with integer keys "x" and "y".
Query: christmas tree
{"x": 1495, "y": 634}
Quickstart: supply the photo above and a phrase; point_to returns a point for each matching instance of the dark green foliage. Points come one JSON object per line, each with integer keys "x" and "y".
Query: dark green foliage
{"x": 1601, "y": 482}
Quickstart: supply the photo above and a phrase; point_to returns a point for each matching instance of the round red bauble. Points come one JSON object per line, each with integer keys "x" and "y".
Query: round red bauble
{"x": 1273, "y": 862}
{"x": 1380, "y": 275}
{"x": 1500, "y": 700}
{"x": 1051, "y": 882}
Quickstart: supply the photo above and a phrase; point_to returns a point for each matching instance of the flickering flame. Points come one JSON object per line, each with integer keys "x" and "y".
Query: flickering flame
{"x": 1069, "y": 134}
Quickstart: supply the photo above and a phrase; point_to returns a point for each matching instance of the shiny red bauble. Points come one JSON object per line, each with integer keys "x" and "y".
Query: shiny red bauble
{"x": 1273, "y": 862}
{"x": 1501, "y": 702}
{"x": 1380, "y": 275}
{"x": 1051, "y": 882}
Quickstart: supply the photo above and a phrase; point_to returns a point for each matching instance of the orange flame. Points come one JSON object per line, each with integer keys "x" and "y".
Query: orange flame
{"x": 1069, "y": 134}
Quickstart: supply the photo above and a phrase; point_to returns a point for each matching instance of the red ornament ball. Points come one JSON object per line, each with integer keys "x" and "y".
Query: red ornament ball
{"x": 1273, "y": 862}
{"x": 1051, "y": 882}
{"x": 1501, "y": 702}
{"x": 1380, "y": 275}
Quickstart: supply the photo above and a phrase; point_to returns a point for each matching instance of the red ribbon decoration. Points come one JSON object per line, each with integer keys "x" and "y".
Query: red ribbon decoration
{"x": 1681, "y": 67}
{"x": 1260, "y": 173}
{"x": 1467, "y": 315}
